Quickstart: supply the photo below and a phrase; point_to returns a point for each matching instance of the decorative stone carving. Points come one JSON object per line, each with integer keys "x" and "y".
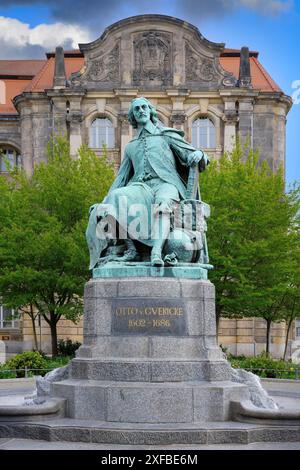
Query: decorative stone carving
{"x": 177, "y": 118}
{"x": 230, "y": 117}
{"x": 106, "y": 68}
{"x": 205, "y": 71}
{"x": 229, "y": 81}
{"x": 123, "y": 118}
{"x": 152, "y": 58}
{"x": 75, "y": 117}
{"x": 196, "y": 67}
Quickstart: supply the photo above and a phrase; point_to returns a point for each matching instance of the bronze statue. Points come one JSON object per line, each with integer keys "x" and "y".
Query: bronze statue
{"x": 158, "y": 177}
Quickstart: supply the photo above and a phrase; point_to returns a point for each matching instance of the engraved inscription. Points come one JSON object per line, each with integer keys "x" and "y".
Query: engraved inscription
{"x": 148, "y": 317}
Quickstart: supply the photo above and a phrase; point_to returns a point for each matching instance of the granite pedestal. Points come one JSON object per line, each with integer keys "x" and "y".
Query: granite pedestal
{"x": 149, "y": 355}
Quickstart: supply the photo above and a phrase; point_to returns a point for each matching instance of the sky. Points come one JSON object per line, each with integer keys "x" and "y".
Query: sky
{"x": 28, "y": 28}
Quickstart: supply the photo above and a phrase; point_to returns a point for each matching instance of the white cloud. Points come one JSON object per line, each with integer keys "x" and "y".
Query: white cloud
{"x": 19, "y": 35}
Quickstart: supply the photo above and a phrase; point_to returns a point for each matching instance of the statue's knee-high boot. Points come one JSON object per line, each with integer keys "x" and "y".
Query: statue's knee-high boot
{"x": 161, "y": 232}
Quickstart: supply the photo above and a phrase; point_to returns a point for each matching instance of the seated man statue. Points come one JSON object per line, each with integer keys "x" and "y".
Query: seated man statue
{"x": 151, "y": 177}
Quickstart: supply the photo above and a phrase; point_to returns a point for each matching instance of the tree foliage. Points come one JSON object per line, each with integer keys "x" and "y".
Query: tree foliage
{"x": 250, "y": 235}
{"x": 43, "y": 253}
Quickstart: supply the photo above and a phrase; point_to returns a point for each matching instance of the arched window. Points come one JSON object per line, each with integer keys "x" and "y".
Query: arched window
{"x": 203, "y": 133}
{"x": 9, "y": 158}
{"x": 102, "y": 133}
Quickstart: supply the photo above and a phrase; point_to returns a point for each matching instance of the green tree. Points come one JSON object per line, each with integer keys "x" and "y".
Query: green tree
{"x": 43, "y": 217}
{"x": 249, "y": 235}
{"x": 291, "y": 305}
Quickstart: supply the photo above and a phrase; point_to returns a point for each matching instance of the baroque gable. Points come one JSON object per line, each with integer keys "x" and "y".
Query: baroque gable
{"x": 152, "y": 52}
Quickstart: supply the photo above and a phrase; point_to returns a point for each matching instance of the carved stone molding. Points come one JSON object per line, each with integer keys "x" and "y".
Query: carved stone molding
{"x": 205, "y": 71}
{"x": 152, "y": 58}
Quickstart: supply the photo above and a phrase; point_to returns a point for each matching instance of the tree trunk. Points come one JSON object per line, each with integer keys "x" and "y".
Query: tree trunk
{"x": 53, "y": 329}
{"x": 289, "y": 324}
{"x": 33, "y": 317}
{"x": 36, "y": 346}
{"x": 268, "y": 338}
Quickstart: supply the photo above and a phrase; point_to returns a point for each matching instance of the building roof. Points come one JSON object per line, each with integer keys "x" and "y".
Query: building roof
{"x": 10, "y": 88}
{"x": 37, "y": 75}
{"x": 236, "y": 53}
{"x": 44, "y": 78}
{"x": 15, "y": 76}
{"x": 20, "y": 68}
{"x": 261, "y": 80}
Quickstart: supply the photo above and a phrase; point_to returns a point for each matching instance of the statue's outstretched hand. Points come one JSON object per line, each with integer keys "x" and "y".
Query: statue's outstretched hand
{"x": 199, "y": 156}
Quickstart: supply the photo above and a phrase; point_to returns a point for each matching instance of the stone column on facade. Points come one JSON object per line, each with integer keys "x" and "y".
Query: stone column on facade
{"x": 245, "y": 80}
{"x": 269, "y": 131}
{"x": 41, "y": 129}
{"x": 26, "y": 139}
{"x": 178, "y": 115}
{"x": 73, "y": 119}
{"x": 230, "y": 119}
{"x": 279, "y": 160}
{"x": 58, "y": 115}
{"x": 125, "y": 131}
{"x": 246, "y": 120}
{"x": 59, "y": 80}
{"x": 177, "y": 120}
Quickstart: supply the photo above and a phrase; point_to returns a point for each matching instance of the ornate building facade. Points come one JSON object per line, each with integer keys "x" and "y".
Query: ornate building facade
{"x": 213, "y": 93}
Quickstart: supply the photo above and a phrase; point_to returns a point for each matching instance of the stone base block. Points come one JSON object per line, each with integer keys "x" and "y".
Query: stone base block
{"x": 149, "y": 355}
{"x": 142, "y": 402}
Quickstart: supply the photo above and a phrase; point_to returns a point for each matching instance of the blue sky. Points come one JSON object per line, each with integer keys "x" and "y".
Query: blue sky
{"x": 271, "y": 27}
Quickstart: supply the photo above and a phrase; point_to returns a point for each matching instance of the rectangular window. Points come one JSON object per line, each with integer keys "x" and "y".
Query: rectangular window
{"x": 298, "y": 331}
{"x": 8, "y": 318}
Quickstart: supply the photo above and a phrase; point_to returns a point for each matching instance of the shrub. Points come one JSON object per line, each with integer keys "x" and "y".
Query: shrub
{"x": 6, "y": 374}
{"x": 29, "y": 359}
{"x": 67, "y": 347}
{"x": 265, "y": 366}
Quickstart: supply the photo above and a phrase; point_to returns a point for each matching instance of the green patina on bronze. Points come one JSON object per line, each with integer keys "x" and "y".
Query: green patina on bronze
{"x": 153, "y": 218}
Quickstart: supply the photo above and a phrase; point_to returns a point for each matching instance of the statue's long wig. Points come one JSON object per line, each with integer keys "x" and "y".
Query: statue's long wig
{"x": 153, "y": 113}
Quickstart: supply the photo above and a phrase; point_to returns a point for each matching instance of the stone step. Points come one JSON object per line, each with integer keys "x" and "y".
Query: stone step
{"x": 123, "y": 433}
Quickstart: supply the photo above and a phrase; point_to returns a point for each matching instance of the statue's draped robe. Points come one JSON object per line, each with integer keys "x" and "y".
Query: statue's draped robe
{"x": 150, "y": 169}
